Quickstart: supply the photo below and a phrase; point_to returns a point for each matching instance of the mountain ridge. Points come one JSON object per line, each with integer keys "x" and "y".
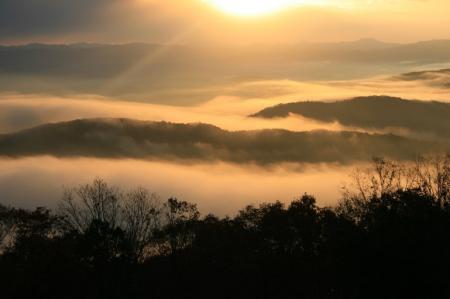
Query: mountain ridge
{"x": 372, "y": 112}
{"x": 126, "y": 138}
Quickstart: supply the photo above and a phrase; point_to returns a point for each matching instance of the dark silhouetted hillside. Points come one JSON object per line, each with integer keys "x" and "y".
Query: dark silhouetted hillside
{"x": 439, "y": 78}
{"x": 121, "y": 138}
{"x": 374, "y": 112}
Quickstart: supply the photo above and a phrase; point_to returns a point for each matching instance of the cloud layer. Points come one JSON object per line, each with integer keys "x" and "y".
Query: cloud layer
{"x": 188, "y": 75}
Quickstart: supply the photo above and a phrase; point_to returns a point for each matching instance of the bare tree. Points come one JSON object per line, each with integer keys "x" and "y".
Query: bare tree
{"x": 383, "y": 176}
{"x": 91, "y": 202}
{"x": 428, "y": 174}
{"x": 431, "y": 175}
{"x": 141, "y": 217}
{"x": 136, "y": 213}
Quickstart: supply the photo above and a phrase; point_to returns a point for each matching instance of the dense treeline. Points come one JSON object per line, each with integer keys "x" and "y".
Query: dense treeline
{"x": 388, "y": 237}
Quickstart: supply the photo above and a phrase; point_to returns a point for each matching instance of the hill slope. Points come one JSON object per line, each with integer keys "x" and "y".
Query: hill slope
{"x": 439, "y": 78}
{"x": 124, "y": 138}
{"x": 374, "y": 112}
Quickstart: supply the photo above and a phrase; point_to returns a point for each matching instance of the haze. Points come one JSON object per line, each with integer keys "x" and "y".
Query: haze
{"x": 197, "y": 21}
{"x": 221, "y": 103}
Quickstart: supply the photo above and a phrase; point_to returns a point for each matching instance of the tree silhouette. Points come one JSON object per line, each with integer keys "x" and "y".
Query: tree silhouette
{"x": 387, "y": 237}
{"x": 100, "y": 208}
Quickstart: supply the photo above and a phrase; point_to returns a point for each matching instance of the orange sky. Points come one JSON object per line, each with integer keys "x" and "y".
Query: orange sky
{"x": 197, "y": 21}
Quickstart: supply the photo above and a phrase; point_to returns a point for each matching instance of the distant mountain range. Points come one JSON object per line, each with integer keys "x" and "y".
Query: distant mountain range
{"x": 124, "y": 138}
{"x": 361, "y": 44}
{"x": 375, "y": 112}
{"x": 15, "y": 58}
{"x": 356, "y": 45}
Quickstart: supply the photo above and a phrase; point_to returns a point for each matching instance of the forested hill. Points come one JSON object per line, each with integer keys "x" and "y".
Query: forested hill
{"x": 125, "y": 138}
{"x": 373, "y": 112}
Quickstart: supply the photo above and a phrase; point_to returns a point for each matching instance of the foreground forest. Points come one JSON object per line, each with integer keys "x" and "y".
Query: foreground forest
{"x": 388, "y": 237}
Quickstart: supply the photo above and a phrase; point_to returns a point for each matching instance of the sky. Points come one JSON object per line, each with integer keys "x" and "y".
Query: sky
{"x": 215, "y": 21}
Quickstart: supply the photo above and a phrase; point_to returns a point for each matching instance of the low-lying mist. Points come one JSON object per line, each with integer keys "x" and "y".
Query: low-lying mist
{"x": 226, "y": 106}
{"x": 216, "y": 187}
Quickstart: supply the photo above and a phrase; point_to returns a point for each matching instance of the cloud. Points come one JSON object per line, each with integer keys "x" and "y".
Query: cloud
{"x": 35, "y": 17}
{"x": 225, "y": 105}
{"x": 187, "y": 75}
{"x": 19, "y": 112}
{"x": 85, "y": 19}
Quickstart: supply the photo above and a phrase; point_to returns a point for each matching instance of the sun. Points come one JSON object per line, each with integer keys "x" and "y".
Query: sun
{"x": 253, "y": 7}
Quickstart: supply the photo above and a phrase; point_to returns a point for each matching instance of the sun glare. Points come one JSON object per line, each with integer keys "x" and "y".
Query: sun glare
{"x": 254, "y": 7}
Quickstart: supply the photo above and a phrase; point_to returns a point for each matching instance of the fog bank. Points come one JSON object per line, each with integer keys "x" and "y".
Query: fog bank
{"x": 216, "y": 187}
